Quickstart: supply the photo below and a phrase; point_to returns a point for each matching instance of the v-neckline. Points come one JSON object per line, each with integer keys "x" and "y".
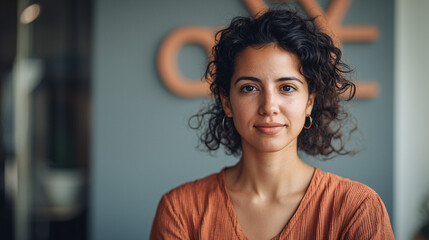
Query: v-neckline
{"x": 292, "y": 221}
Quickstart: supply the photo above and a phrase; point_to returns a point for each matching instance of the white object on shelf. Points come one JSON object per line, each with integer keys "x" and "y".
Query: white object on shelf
{"x": 63, "y": 187}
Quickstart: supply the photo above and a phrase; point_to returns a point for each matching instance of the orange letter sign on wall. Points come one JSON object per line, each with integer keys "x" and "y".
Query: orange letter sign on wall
{"x": 329, "y": 21}
{"x": 167, "y": 60}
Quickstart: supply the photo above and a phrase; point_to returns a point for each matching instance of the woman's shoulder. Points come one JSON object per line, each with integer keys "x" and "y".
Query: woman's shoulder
{"x": 195, "y": 190}
{"x": 357, "y": 208}
{"x": 349, "y": 199}
{"x": 346, "y": 189}
{"x": 180, "y": 210}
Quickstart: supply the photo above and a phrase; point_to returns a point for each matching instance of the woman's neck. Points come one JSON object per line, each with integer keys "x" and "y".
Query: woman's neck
{"x": 269, "y": 175}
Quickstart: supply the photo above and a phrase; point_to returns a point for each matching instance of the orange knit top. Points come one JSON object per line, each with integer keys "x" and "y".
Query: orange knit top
{"x": 332, "y": 208}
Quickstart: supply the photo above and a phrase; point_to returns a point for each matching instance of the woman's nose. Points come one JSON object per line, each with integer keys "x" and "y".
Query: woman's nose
{"x": 268, "y": 105}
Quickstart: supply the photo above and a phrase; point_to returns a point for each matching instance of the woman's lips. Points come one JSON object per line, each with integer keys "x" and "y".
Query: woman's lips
{"x": 269, "y": 128}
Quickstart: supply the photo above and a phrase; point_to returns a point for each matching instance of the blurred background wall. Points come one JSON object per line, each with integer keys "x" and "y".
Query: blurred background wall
{"x": 411, "y": 151}
{"x": 142, "y": 146}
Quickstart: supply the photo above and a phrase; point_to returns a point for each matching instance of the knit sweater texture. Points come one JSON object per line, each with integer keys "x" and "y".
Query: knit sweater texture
{"x": 332, "y": 208}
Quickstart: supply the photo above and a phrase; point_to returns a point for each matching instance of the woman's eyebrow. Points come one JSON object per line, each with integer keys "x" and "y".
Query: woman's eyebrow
{"x": 289, "y": 79}
{"x": 248, "y": 78}
{"x": 259, "y": 80}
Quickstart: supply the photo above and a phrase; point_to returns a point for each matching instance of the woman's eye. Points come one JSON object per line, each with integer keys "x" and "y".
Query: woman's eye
{"x": 247, "y": 89}
{"x": 287, "y": 88}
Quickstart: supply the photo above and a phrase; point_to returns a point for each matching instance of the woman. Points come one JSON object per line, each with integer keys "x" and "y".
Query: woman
{"x": 276, "y": 81}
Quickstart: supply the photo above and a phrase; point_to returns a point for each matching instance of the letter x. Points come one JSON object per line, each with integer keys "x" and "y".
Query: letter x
{"x": 329, "y": 21}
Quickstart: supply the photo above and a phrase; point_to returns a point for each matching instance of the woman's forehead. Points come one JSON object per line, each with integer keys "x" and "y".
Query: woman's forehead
{"x": 268, "y": 59}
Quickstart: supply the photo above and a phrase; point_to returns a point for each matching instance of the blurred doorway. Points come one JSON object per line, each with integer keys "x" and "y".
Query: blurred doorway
{"x": 45, "y": 111}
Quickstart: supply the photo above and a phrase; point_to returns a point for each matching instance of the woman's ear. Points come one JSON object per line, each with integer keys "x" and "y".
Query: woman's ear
{"x": 310, "y": 104}
{"x": 226, "y": 104}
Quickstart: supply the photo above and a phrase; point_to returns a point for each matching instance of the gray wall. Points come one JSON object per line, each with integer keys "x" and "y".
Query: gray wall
{"x": 141, "y": 144}
{"x": 411, "y": 185}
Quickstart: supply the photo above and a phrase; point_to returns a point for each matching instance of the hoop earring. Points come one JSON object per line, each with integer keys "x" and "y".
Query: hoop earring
{"x": 223, "y": 122}
{"x": 311, "y": 122}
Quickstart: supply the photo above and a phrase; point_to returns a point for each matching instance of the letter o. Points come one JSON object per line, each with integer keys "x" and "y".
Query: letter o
{"x": 168, "y": 60}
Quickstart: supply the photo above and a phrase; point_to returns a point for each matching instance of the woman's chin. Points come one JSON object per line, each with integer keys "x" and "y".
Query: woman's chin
{"x": 272, "y": 147}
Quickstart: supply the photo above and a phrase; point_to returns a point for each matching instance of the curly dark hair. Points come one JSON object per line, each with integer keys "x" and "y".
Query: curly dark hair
{"x": 321, "y": 65}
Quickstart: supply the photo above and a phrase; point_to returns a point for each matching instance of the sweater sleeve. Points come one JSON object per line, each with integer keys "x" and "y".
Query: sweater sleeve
{"x": 371, "y": 221}
{"x": 167, "y": 223}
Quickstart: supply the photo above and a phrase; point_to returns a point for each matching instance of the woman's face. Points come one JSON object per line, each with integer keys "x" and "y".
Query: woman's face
{"x": 269, "y": 98}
